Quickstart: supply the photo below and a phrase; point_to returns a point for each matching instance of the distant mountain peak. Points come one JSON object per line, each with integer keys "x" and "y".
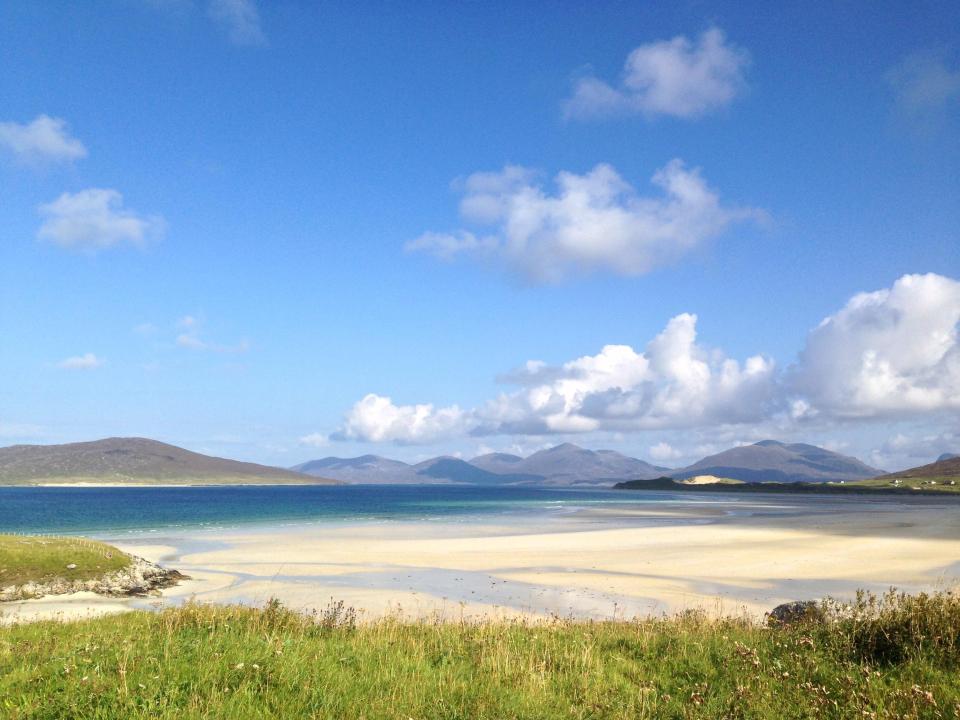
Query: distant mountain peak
{"x": 565, "y": 447}
{"x": 498, "y": 457}
{"x": 772, "y": 460}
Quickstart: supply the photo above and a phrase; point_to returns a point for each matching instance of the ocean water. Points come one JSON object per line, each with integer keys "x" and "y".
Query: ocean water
{"x": 137, "y": 509}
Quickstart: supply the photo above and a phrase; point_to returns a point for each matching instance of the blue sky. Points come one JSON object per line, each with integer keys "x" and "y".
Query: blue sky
{"x": 283, "y": 230}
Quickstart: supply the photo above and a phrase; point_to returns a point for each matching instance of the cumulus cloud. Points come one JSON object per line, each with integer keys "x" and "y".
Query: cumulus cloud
{"x": 95, "y": 219}
{"x": 240, "y": 19}
{"x": 886, "y": 353}
{"x": 924, "y": 85}
{"x": 593, "y": 222}
{"x": 43, "y": 139}
{"x": 376, "y": 418}
{"x": 892, "y": 354}
{"x": 87, "y": 361}
{"x": 677, "y": 77}
{"x": 673, "y": 383}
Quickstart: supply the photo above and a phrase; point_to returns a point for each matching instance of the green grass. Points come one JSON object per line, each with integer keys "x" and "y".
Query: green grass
{"x": 28, "y": 558}
{"x": 895, "y": 658}
{"x": 877, "y": 486}
{"x": 920, "y": 484}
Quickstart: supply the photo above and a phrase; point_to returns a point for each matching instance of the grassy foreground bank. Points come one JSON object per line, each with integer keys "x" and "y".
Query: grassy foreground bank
{"x": 39, "y": 559}
{"x": 897, "y": 658}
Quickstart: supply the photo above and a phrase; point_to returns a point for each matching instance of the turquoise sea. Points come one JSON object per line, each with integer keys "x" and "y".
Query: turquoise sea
{"x": 117, "y": 509}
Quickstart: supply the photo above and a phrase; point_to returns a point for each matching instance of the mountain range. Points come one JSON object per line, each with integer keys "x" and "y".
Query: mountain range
{"x": 135, "y": 461}
{"x": 140, "y": 460}
{"x": 568, "y": 464}
{"x": 564, "y": 464}
{"x": 376, "y": 469}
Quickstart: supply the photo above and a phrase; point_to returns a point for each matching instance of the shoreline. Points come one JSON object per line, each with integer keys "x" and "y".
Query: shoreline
{"x": 592, "y": 563}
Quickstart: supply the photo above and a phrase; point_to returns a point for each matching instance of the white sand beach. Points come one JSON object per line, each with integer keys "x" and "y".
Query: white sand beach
{"x": 596, "y": 563}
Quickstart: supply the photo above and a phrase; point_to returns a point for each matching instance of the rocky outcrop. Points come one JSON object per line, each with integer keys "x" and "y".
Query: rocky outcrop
{"x": 140, "y": 577}
{"x": 799, "y": 611}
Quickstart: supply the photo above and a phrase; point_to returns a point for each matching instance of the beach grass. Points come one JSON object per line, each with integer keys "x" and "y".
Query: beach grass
{"x": 896, "y": 657}
{"x": 39, "y": 559}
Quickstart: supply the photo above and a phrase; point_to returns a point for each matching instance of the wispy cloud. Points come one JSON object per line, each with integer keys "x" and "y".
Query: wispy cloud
{"x": 240, "y": 19}
{"x": 316, "y": 440}
{"x": 191, "y": 337}
{"x": 43, "y": 139}
{"x": 592, "y": 222}
{"x": 9, "y": 430}
{"x": 677, "y": 77}
{"x": 95, "y": 219}
{"x": 87, "y": 361}
{"x": 925, "y": 86}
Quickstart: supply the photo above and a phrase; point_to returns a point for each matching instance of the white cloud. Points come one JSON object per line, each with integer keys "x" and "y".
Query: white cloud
{"x": 927, "y": 447}
{"x": 924, "y": 85}
{"x": 916, "y": 446}
{"x": 446, "y": 246}
{"x": 673, "y": 383}
{"x": 664, "y": 452}
{"x": 375, "y": 418}
{"x": 192, "y": 338}
{"x": 87, "y": 361}
{"x": 317, "y": 440}
{"x": 95, "y": 219}
{"x": 240, "y": 19}
{"x": 890, "y": 352}
{"x": 671, "y": 77}
{"x": 595, "y": 221}
{"x": 44, "y": 139}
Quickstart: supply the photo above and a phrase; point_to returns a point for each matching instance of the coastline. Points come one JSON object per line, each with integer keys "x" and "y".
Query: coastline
{"x": 592, "y": 563}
